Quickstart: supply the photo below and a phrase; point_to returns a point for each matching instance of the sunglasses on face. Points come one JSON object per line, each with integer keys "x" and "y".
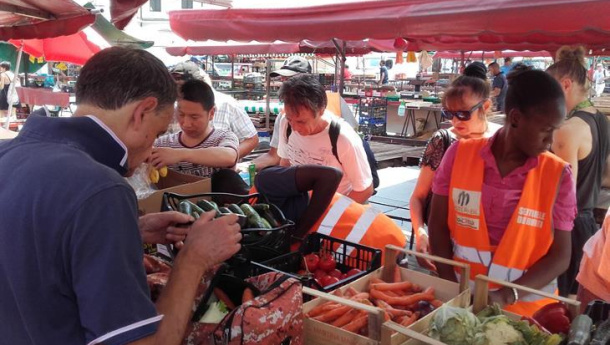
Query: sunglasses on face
{"x": 462, "y": 115}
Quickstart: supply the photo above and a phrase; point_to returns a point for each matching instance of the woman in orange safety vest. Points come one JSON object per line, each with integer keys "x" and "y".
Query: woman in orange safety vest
{"x": 504, "y": 204}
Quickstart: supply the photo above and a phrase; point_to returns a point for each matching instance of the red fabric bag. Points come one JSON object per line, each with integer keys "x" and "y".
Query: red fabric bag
{"x": 274, "y": 317}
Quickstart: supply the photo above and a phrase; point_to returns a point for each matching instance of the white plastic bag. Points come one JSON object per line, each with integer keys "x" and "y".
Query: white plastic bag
{"x": 140, "y": 182}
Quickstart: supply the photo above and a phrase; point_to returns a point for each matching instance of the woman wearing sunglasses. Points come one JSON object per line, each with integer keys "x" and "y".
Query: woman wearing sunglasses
{"x": 583, "y": 142}
{"x": 466, "y": 104}
{"x": 504, "y": 204}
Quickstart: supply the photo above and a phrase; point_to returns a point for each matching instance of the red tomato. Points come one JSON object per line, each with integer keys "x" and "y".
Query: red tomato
{"x": 319, "y": 274}
{"x": 353, "y": 272}
{"x": 319, "y": 283}
{"x": 312, "y": 261}
{"x": 343, "y": 276}
{"x": 335, "y": 273}
{"x": 327, "y": 263}
{"x": 329, "y": 280}
{"x": 302, "y": 272}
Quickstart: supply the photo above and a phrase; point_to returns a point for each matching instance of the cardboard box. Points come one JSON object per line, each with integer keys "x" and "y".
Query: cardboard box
{"x": 417, "y": 334}
{"x": 319, "y": 333}
{"x": 152, "y": 203}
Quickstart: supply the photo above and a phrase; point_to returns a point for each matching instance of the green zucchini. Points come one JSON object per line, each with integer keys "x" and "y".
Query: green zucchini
{"x": 580, "y": 330}
{"x": 265, "y": 223}
{"x": 196, "y": 209}
{"x": 224, "y": 210}
{"x": 195, "y": 215}
{"x": 264, "y": 210}
{"x": 207, "y": 206}
{"x": 185, "y": 207}
{"x": 254, "y": 219}
{"x": 235, "y": 209}
{"x": 261, "y": 207}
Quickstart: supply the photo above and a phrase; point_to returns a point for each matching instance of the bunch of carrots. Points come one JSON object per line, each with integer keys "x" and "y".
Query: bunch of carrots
{"x": 399, "y": 300}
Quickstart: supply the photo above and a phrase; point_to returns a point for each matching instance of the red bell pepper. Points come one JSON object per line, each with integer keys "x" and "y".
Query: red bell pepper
{"x": 555, "y": 317}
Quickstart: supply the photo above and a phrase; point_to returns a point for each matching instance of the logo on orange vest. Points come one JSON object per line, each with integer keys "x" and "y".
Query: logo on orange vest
{"x": 467, "y": 222}
{"x": 530, "y": 217}
{"x": 466, "y": 201}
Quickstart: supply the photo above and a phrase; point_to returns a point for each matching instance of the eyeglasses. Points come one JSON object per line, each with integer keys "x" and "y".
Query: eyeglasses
{"x": 462, "y": 115}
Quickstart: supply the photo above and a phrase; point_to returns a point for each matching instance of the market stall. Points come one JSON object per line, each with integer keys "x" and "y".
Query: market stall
{"x": 435, "y": 25}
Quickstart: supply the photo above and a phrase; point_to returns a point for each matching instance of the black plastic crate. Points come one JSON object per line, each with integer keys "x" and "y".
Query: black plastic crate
{"x": 364, "y": 258}
{"x": 257, "y": 244}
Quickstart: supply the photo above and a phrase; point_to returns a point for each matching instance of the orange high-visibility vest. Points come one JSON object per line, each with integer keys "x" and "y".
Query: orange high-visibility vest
{"x": 529, "y": 234}
{"x": 363, "y": 224}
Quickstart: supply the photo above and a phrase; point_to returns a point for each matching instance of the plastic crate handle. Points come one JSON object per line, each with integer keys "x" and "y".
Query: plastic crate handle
{"x": 391, "y": 255}
{"x": 481, "y": 294}
{"x": 376, "y": 315}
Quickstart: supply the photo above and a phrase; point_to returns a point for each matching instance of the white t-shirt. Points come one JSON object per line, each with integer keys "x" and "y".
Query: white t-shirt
{"x": 317, "y": 149}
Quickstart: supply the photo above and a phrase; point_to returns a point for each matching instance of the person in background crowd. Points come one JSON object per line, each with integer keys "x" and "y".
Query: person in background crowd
{"x": 476, "y": 69}
{"x": 582, "y": 141}
{"x": 499, "y": 85}
{"x": 229, "y": 115}
{"x": 199, "y": 148}
{"x": 594, "y": 274}
{"x": 599, "y": 80}
{"x": 293, "y": 66}
{"x": 505, "y": 205}
{"x": 508, "y": 66}
{"x": 466, "y": 104}
{"x": 6, "y": 77}
{"x": 304, "y": 137}
{"x": 383, "y": 73}
{"x": 347, "y": 75}
{"x": 72, "y": 261}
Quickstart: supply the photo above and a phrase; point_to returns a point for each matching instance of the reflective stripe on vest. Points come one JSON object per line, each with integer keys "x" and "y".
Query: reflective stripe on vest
{"x": 511, "y": 274}
{"x": 360, "y": 228}
{"x": 334, "y": 214}
{"x": 472, "y": 255}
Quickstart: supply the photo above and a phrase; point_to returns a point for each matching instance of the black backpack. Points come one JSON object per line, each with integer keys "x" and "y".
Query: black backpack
{"x": 333, "y": 133}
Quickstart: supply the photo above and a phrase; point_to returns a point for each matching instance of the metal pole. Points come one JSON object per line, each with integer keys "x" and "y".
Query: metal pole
{"x": 11, "y": 88}
{"x": 232, "y": 72}
{"x": 268, "y": 96}
{"x": 342, "y": 80}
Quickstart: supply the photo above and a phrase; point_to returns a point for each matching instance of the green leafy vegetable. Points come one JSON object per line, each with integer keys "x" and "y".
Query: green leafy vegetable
{"x": 454, "y": 326}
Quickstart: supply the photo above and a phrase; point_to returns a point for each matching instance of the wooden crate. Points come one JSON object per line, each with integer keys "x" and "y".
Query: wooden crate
{"x": 417, "y": 334}
{"x": 319, "y": 333}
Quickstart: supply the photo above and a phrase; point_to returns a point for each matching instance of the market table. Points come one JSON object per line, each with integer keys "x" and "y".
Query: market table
{"x": 410, "y": 108}
{"x": 42, "y": 96}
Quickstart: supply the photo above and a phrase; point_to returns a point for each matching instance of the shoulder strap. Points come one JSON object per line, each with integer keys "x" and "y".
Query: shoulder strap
{"x": 333, "y": 133}
{"x": 446, "y": 139}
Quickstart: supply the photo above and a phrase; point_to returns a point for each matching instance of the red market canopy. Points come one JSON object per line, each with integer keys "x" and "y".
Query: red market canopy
{"x": 55, "y": 49}
{"x": 448, "y": 24}
{"x": 490, "y": 54}
{"x": 222, "y": 48}
{"x": 122, "y": 11}
{"x": 305, "y": 46}
{"x": 27, "y": 19}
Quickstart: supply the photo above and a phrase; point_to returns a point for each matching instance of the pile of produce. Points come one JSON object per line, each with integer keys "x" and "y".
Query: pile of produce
{"x": 154, "y": 174}
{"x": 323, "y": 268}
{"x": 258, "y": 216}
{"x": 458, "y": 326}
{"x": 402, "y": 302}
